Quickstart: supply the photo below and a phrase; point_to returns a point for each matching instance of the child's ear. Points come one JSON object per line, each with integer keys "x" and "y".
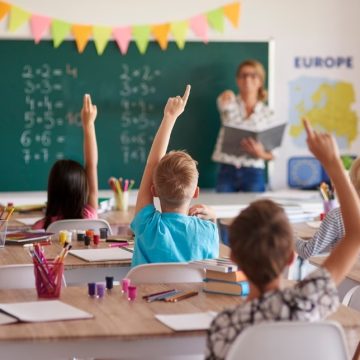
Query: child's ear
{"x": 153, "y": 191}
{"x": 196, "y": 193}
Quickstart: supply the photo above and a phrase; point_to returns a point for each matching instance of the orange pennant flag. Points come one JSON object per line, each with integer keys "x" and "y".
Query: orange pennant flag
{"x": 232, "y": 12}
{"x": 81, "y": 34}
{"x": 161, "y": 33}
{"x": 4, "y": 9}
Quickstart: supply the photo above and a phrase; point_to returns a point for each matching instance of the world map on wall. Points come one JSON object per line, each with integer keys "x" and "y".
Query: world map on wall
{"x": 327, "y": 104}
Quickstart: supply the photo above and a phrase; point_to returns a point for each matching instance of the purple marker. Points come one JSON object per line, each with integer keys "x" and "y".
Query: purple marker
{"x": 125, "y": 283}
{"x": 132, "y": 292}
{"x": 91, "y": 289}
{"x": 100, "y": 290}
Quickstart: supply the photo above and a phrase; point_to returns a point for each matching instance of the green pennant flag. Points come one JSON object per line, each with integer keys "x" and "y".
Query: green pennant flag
{"x": 60, "y": 30}
{"x": 141, "y": 36}
{"x": 216, "y": 19}
{"x": 17, "y": 18}
{"x": 101, "y": 36}
{"x": 179, "y": 30}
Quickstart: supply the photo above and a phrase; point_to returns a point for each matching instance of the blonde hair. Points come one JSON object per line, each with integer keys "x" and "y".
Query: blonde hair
{"x": 355, "y": 175}
{"x": 175, "y": 178}
{"x": 260, "y": 71}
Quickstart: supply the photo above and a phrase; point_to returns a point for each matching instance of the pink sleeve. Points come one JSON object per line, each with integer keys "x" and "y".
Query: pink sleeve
{"x": 38, "y": 225}
{"x": 89, "y": 212}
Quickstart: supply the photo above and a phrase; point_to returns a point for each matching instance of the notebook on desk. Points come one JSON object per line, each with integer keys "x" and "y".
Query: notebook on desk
{"x": 40, "y": 311}
{"x": 24, "y": 237}
{"x": 111, "y": 254}
{"x": 187, "y": 322}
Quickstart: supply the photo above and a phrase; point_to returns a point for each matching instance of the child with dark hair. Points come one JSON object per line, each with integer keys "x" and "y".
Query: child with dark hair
{"x": 262, "y": 244}
{"x": 73, "y": 189}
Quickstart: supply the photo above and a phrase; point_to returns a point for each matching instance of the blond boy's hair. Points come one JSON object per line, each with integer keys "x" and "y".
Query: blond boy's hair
{"x": 175, "y": 178}
{"x": 355, "y": 175}
{"x": 261, "y": 242}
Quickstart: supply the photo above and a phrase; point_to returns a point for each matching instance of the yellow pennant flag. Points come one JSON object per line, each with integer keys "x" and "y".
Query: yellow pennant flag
{"x": 101, "y": 37}
{"x": 179, "y": 30}
{"x": 17, "y": 18}
{"x": 141, "y": 36}
{"x": 232, "y": 12}
{"x": 160, "y": 33}
{"x": 4, "y": 9}
{"x": 81, "y": 34}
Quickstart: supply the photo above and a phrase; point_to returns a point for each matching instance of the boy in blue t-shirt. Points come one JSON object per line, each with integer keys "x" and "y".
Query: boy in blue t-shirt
{"x": 178, "y": 233}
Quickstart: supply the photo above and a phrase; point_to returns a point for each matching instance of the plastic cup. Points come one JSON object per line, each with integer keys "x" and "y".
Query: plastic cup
{"x": 122, "y": 201}
{"x": 132, "y": 292}
{"x": 48, "y": 279}
{"x": 3, "y": 227}
{"x": 125, "y": 283}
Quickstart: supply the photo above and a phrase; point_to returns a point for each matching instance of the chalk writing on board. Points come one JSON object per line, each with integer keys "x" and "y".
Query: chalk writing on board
{"x": 137, "y": 89}
{"x": 44, "y": 114}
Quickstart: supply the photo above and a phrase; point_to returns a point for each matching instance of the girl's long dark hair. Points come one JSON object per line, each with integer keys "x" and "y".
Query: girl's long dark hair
{"x": 67, "y": 191}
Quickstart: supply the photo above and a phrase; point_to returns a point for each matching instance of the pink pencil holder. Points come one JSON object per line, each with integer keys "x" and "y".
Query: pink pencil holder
{"x": 329, "y": 205}
{"x": 48, "y": 278}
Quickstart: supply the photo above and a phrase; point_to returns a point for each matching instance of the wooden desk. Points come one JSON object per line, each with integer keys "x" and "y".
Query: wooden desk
{"x": 77, "y": 271}
{"x": 123, "y": 329}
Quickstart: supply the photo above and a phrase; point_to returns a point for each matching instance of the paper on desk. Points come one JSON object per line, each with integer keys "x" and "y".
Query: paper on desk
{"x": 102, "y": 254}
{"x": 39, "y": 311}
{"x": 30, "y": 220}
{"x": 6, "y": 319}
{"x": 186, "y": 322}
{"x": 314, "y": 224}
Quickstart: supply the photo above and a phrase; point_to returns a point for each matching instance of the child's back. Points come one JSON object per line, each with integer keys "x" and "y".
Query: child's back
{"x": 261, "y": 241}
{"x": 171, "y": 235}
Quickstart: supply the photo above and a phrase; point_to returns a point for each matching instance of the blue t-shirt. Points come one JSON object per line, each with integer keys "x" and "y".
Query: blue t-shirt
{"x": 172, "y": 237}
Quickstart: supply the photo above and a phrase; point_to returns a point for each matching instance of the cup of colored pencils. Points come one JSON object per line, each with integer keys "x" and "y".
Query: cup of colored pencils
{"x": 121, "y": 188}
{"x": 5, "y": 215}
{"x": 328, "y": 195}
{"x": 48, "y": 273}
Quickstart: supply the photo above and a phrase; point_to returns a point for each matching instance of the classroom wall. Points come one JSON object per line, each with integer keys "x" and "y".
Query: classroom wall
{"x": 307, "y": 28}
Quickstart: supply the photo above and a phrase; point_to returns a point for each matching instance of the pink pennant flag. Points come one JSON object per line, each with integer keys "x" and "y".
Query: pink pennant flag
{"x": 122, "y": 35}
{"x": 39, "y": 26}
{"x": 199, "y": 26}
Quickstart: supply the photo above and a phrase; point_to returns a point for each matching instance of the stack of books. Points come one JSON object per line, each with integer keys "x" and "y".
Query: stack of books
{"x": 223, "y": 277}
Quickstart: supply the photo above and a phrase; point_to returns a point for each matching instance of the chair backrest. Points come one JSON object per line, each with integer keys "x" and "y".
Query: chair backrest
{"x": 17, "y": 276}
{"x": 352, "y": 298}
{"x": 165, "y": 273}
{"x": 78, "y": 224}
{"x": 290, "y": 340}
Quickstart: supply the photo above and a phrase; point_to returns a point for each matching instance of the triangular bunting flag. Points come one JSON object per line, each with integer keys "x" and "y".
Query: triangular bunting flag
{"x": 232, "y": 12}
{"x": 161, "y": 33}
{"x": 4, "y": 9}
{"x": 199, "y": 26}
{"x": 39, "y": 25}
{"x": 122, "y": 35}
{"x": 101, "y": 36}
{"x": 17, "y": 18}
{"x": 179, "y": 30}
{"x": 141, "y": 35}
{"x": 81, "y": 34}
{"x": 216, "y": 19}
{"x": 60, "y": 30}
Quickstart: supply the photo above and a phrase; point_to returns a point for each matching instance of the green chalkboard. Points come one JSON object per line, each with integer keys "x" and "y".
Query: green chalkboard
{"x": 41, "y": 95}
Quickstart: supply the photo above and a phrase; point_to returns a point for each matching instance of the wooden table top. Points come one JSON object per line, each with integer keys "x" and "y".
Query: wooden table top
{"x": 17, "y": 254}
{"x": 116, "y": 317}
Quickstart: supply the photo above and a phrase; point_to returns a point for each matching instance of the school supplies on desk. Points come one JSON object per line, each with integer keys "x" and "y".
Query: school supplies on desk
{"x": 181, "y": 296}
{"x": 110, "y": 254}
{"x": 240, "y": 288}
{"x": 326, "y": 192}
{"x": 40, "y": 311}
{"x": 121, "y": 189}
{"x": 270, "y": 138}
{"x": 187, "y": 322}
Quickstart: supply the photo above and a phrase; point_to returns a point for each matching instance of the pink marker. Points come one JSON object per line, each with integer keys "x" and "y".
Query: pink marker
{"x": 113, "y": 245}
{"x": 125, "y": 283}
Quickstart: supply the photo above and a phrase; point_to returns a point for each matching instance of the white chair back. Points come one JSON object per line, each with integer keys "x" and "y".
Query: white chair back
{"x": 352, "y": 298}
{"x": 290, "y": 340}
{"x": 17, "y": 276}
{"x": 78, "y": 224}
{"x": 165, "y": 273}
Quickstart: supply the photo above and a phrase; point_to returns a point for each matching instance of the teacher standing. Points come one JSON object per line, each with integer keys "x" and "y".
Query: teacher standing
{"x": 248, "y": 111}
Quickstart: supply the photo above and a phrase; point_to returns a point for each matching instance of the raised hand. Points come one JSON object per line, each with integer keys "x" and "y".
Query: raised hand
{"x": 226, "y": 97}
{"x": 175, "y": 106}
{"x": 203, "y": 212}
{"x": 88, "y": 111}
{"x": 322, "y": 145}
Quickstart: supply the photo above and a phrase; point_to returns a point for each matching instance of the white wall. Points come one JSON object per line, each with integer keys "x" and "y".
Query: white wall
{"x": 304, "y": 28}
